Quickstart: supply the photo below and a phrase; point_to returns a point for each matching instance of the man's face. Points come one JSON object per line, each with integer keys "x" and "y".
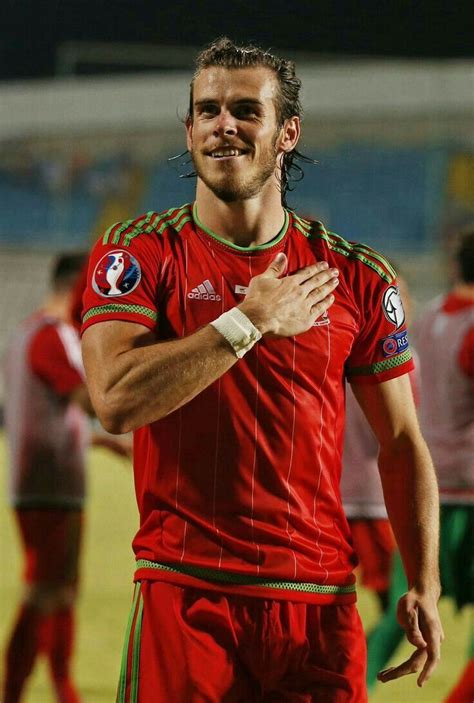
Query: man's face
{"x": 233, "y": 137}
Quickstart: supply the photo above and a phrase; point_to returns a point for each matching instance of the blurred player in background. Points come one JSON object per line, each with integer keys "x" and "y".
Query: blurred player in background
{"x": 231, "y": 373}
{"x": 444, "y": 338}
{"x": 47, "y": 426}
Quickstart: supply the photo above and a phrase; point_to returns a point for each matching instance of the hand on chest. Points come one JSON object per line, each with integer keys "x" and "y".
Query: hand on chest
{"x": 213, "y": 282}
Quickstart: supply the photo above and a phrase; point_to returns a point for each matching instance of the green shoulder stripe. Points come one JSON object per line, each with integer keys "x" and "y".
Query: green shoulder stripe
{"x": 119, "y": 307}
{"x": 377, "y": 263}
{"x": 364, "y": 250}
{"x": 113, "y": 234}
{"x": 335, "y": 242}
{"x": 174, "y": 220}
{"x": 379, "y": 366}
{"x": 124, "y": 232}
{"x": 303, "y": 225}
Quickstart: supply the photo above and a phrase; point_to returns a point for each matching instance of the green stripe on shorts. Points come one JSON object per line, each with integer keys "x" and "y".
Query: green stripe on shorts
{"x": 136, "y": 653}
{"x": 126, "y": 646}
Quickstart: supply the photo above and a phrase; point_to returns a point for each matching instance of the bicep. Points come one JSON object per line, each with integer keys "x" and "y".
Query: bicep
{"x": 103, "y": 345}
{"x": 389, "y": 408}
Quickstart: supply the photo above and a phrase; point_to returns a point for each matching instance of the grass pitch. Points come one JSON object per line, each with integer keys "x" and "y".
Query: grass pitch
{"x": 107, "y": 570}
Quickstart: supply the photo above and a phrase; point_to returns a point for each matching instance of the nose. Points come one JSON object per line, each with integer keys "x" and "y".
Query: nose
{"x": 226, "y": 124}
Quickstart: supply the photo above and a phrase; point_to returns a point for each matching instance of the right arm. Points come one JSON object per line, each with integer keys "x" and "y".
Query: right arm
{"x": 134, "y": 380}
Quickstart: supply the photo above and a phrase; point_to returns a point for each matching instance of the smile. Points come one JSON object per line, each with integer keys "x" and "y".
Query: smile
{"x": 226, "y": 152}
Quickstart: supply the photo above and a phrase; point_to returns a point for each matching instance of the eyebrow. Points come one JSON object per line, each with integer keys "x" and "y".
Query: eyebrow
{"x": 246, "y": 101}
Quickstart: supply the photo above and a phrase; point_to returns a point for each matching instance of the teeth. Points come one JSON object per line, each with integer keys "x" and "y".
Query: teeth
{"x": 225, "y": 152}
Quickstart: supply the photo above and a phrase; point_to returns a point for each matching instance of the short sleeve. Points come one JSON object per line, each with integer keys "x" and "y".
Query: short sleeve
{"x": 381, "y": 350}
{"x": 122, "y": 277}
{"x": 55, "y": 358}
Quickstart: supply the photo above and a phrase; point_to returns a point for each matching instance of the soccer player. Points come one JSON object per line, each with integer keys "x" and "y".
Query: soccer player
{"x": 46, "y": 406}
{"x": 444, "y": 337}
{"x": 225, "y": 350}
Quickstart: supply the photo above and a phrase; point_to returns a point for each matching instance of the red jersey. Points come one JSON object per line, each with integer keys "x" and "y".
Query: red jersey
{"x": 47, "y": 434}
{"x": 239, "y": 488}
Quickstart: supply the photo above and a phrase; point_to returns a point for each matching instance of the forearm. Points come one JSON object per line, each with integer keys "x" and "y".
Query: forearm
{"x": 145, "y": 383}
{"x": 411, "y": 497}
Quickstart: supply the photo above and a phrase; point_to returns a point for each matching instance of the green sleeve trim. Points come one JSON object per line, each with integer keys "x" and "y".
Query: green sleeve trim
{"x": 244, "y": 580}
{"x": 379, "y": 366}
{"x": 117, "y": 307}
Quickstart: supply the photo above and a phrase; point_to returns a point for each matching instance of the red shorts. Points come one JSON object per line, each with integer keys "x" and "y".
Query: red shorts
{"x": 51, "y": 540}
{"x": 187, "y": 645}
{"x": 374, "y": 544}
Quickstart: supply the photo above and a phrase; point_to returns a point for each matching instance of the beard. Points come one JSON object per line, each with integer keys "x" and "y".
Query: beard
{"x": 230, "y": 186}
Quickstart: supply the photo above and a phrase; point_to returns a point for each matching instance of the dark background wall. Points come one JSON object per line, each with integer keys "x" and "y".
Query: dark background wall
{"x": 33, "y": 30}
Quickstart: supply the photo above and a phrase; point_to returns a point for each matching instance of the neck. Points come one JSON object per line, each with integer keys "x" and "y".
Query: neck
{"x": 58, "y": 305}
{"x": 247, "y": 223}
{"x": 464, "y": 290}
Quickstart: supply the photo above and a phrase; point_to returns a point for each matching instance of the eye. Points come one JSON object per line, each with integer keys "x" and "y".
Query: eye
{"x": 245, "y": 111}
{"x": 208, "y": 110}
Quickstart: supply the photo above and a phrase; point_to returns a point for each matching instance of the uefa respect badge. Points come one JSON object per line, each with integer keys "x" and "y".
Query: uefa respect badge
{"x": 116, "y": 274}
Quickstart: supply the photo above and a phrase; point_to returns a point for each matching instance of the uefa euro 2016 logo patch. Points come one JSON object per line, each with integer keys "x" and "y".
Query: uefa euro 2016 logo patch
{"x": 393, "y": 307}
{"x": 117, "y": 273}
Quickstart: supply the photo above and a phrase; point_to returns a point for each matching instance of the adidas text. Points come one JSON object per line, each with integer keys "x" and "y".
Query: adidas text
{"x": 204, "y": 291}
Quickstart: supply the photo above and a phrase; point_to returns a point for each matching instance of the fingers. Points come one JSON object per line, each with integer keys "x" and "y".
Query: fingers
{"x": 410, "y": 666}
{"x": 408, "y": 618}
{"x": 320, "y": 308}
{"x": 433, "y": 634}
{"x": 423, "y": 629}
{"x": 321, "y": 286}
{"x": 277, "y": 267}
{"x": 309, "y": 272}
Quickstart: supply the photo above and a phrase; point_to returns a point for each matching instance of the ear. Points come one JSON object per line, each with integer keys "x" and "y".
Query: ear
{"x": 290, "y": 134}
{"x": 189, "y": 132}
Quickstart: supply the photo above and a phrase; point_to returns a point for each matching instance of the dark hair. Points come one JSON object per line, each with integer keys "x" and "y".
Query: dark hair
{"x": 66, "y": 268}
{"x": 224, "y": 52}
{"x": 465, "y": 254}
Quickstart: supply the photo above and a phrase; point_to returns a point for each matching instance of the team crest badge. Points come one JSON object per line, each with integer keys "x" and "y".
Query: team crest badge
{"x": 117, "y": 273}
{"x": 393, "y": 306}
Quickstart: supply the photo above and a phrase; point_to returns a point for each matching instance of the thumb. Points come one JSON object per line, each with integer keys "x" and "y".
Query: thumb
{"x": 278, "y": 266}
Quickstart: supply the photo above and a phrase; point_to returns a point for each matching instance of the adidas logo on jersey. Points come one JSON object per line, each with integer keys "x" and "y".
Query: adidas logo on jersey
{"x": 204, "y": 291}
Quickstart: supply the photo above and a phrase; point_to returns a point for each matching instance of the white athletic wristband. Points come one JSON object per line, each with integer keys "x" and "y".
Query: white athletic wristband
{"x": 238, "y": 330}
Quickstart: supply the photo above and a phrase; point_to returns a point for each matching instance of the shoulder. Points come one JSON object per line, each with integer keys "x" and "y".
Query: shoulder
{"x": 150, "y": 223}
{"x": 357, "y": 257}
